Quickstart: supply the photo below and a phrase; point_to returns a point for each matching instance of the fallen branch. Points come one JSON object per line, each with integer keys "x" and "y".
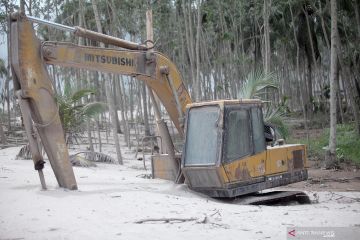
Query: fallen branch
{"x": 342, "y": 196}
{"x": 322, "y": 180}
{"x": 166, "y": 220}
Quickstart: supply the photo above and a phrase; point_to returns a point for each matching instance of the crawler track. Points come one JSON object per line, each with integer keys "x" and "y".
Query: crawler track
{"x": 273, "y": 198}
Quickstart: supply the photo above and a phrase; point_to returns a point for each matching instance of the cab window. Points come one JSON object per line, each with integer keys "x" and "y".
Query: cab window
{"x": 257, "y": 129}
{"x": 202, "y": 136}
{"x": 237, "y": 137}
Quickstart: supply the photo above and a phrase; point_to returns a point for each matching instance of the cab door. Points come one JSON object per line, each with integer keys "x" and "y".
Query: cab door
{"x": 244, "y": 152}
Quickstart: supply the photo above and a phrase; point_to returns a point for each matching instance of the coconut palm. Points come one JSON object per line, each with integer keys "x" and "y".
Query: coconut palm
{"x": 275, "y": 116}
{"x": 74, "y": 112}
{"x": 255, "y": 84}
{"x": 254, "y": 87}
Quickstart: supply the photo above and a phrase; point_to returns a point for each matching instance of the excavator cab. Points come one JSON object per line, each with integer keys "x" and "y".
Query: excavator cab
{"x": 225, "y": 152}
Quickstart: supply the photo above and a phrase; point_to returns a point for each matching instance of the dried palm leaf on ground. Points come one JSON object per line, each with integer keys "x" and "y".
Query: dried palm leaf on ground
{"x": 80, "y": 161}
{"x": 88, "y": 159}
{"x": 24, "y": 153}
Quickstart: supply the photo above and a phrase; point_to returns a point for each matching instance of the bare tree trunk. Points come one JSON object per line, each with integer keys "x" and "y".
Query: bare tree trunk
{"x": 98, "y": 133}
{"x": 302, "y": 95}
{"x": 267, "y": 64}
{"x": 121, "y": 92}
{"x": 2, "y": 134}
{"x": 346, "y": 77}
{"x": 131, "y": 99}
{"x": 145, "y": 109}
{"x": 197, "y": 85}
{"x": 339, "y": 100}
{"x": 88, "y": 128}
{"x": 189, "y": 39}
{"x": 88, "y": 122}
{"x": 118, "y": 125}
{"x": 330, "y": 156}
{"x": 79, "y": 74}
{"x": 7, "y": 83}
{"x": 112, "y": 109}
{"x": 321, "y": 14}
{"x": 110, "y": 99}
{"x": 310, "y": 81}
{"x": 357, "y": 15}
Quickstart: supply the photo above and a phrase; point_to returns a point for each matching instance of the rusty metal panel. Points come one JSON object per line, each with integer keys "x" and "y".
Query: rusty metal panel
{"x": 298, "y": 159}
{"x": 277, "y": 160}
{"x": 246, "y": 168}
{"x": 203, "y": 177}
{"x": 161, "y": 167}
{"x": 223, "y": 175}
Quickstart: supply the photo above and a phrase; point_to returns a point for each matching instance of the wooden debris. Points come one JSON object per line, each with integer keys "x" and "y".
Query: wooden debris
{"x": 165, "y": 220}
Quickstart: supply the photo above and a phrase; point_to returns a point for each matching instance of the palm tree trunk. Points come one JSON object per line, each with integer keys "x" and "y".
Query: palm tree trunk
{"x": 189, "y": 40}
{"x": 321, "y": 14}
{"x": 110, "y": 98}
{"x": 2, "y": 134}
{"x": 88, "y": 128}
{"x": 145, "y": 109}
{"x": 120, "y": 89}
{"x": 197, "y": 85}
{"x": 98, "y": 133}
{"x": 267, "y": 64}
{"x": 357, "y": 15}
{"x": 112, "y": 109}
{"x": 302, "y": 91}
{"x": 330, "y": 156}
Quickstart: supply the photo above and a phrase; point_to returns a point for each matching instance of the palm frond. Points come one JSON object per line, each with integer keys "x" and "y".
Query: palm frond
{"x": 88, "y": 158}
{"x": 67, "y": 89}
{"x": 255, "y": 82}
{"x": 80, "y": 94}
{"x": 24, "y": 153}
{"x": 276, "y": 117}
{"x": 100, "y": 157}
{"x": 253, "y": 87}
{"x": 93, "y": 109}
{"x": 80, "y": 161}
{"x": 74, "y": 113}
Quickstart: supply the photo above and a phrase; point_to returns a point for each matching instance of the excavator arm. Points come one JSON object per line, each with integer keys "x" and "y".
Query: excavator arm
{"x": 33, "y": 86}
{"x": 154, "y": 68}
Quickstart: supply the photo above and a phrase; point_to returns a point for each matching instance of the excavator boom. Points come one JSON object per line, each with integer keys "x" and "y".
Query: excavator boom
{"x": 152, "y": 67}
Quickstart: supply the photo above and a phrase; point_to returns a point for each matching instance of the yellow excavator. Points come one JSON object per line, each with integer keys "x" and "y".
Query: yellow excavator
{"x": 225, "y": 151}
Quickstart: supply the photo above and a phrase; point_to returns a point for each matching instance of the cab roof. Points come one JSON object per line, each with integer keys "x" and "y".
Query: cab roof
{"x": 224, "y": 102}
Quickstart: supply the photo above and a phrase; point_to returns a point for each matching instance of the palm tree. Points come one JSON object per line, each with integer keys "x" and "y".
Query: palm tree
{"x": 254, "y": 87}
{"x": 73, "y": 112}
{"x": 255, "y": 83}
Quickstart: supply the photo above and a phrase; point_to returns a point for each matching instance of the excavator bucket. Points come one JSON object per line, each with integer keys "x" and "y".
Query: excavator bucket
{"x": 37, "y": 103}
